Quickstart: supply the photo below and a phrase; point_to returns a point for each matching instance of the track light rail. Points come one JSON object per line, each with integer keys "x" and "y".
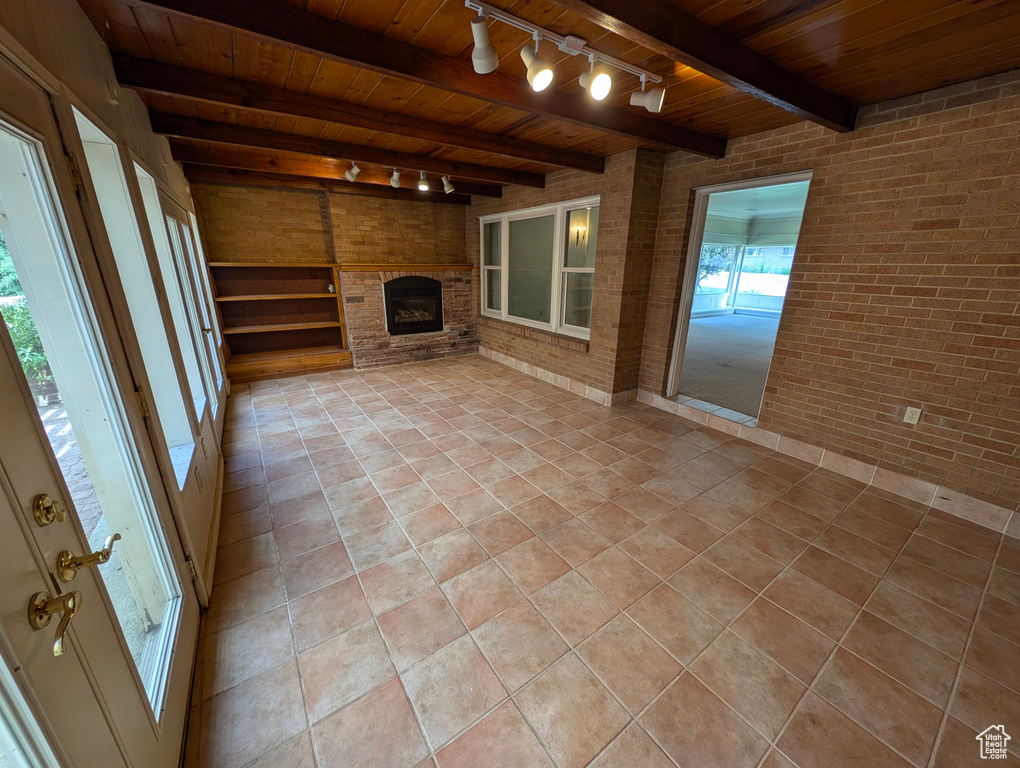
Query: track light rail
{"x": 574, "y": 46}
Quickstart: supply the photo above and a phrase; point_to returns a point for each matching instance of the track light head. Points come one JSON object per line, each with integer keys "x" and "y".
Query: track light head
{"x": 352, "y": 173}
{"x": 483, "y": 57}
{"x": 395, "y": 179}
{"x": 651, "y": 100}
{"x": 423, "y": 182}
{"x": 447, "y": 185}
{"x": 598, "y": 82}
{"x": 540, "y": 73}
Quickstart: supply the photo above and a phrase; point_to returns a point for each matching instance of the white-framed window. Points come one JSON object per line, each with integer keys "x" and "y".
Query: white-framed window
{"x": 538, "y": 266}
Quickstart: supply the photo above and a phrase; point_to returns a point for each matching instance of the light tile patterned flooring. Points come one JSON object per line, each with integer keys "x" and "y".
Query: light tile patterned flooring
{"x": 454, "y": 564}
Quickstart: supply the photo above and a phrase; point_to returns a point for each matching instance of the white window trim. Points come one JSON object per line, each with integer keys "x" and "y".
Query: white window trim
{"x": 559, "y": 211}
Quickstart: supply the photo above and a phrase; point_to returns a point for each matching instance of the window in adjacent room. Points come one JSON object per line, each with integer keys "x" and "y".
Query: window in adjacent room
{"x": 538, "y": 266}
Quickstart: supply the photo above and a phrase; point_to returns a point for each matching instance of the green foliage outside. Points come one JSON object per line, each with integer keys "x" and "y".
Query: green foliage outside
{"x": 20, "y": 325}
{"x": 9, "y": 283}
{"x": 714, "y": 259}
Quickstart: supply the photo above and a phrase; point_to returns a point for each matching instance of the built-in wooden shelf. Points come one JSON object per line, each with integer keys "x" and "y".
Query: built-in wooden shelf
{"x": 273, "y": 327}
{"x": 265, "y": 365}
{"x": 277, "y": 296}
{"x": 280, "y": 318}
{"x": 271, "y": 265}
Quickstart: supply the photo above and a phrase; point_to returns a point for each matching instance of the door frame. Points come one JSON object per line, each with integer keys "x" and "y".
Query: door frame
{"x": 689, "y": 279}
{"x": 205, "y": 472}
{"x": 99, "y": 620}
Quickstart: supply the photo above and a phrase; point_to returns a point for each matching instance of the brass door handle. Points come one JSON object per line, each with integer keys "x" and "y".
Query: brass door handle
{"x": 68, "y": 564}
{"x": 47, "y": 510}
{"x": 42, "y": 607}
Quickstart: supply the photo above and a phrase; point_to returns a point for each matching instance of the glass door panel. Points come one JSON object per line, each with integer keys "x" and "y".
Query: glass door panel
{"x": 203, "y": 275}
{"x": 174, "y": 405}
{"x": 204, "y": 301}
{"x": 173, "y": 228}
{"x": 175, "y": 291}
{"x": 49, "y": 318}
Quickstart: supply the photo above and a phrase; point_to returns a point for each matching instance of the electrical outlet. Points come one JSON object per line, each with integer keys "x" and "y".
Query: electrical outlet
{"x": 912, "y": 416}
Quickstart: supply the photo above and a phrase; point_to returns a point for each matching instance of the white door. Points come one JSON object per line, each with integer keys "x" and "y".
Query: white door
{"x": 121, "y": 201}
{"x": 109, "y": 687}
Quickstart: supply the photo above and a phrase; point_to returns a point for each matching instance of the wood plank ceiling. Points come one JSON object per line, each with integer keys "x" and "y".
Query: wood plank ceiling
{"x": 274, "y": 91}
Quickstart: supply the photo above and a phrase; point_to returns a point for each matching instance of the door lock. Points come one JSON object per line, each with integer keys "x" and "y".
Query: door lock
{"x": 48, "y": 510}
{"x": 42, "y": 607}
{"x": 68, "y": 564}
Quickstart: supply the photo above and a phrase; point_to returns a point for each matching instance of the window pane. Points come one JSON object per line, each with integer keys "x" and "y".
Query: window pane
{"x": 582, "y": 230}
{"x": 493, "y": 293}
{"x": 577, "y": 293}
{"x": 491, "y": 233}
{"x": 714, "y": 268}
{"x": 765, "y": 271}
{"x": 530, "y": 268}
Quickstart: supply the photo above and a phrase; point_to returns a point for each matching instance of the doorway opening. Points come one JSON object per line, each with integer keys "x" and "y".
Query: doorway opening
{"x": 743, "y": 244}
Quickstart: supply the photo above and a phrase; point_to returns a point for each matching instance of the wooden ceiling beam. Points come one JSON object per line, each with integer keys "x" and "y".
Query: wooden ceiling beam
{"x": 225, "y": 133}
{"x": 661, "y": 26}
{"x": 153, "y": 77}
{"x": 286, "y": 24}
{"x": 206, "y": 174}
{"x": 326, "y": 168}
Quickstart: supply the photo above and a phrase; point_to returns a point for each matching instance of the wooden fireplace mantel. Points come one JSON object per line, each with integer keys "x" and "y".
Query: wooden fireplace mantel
{"x": 404, "y": 267}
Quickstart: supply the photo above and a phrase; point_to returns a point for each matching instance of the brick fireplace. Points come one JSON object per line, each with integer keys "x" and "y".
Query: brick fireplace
{"x": 364, "y": 291}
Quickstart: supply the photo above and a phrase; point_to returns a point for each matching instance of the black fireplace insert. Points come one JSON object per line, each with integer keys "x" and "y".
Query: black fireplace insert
{"x": 413, "y": 305}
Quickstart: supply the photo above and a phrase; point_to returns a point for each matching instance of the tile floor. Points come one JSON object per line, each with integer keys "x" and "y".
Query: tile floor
{"x": 454, "y": 564}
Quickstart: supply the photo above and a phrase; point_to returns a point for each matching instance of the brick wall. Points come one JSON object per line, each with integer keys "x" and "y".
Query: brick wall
{"x": 262, "y": 224}
{"x": 634, "y": 285}
{"x": 265, "y": 224}
{"x": 619, "y": 270}
{"x": 905, "y": 289}
{"x": 370, "y": 229}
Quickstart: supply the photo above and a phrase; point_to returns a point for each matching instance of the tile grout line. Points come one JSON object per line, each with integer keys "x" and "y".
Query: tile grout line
{"x": 434, "y": 749}
{"x": 386, "y": 644}
{"x": 726, "y": 628}
{"x": 829, "y": 660}
{"x": 963, "y": 656}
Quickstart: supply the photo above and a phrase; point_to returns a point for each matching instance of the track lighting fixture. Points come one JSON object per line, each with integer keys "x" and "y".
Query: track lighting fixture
{"x": 650, "y": 100}
{"x": 395, "y": 179}
{"x": 447, "y": 185}
{"x": 352, "y": 173}
{"x": 597, "y": 81}
{"x": 423, "y": 183}
{"x": 483, "y": 57}
{"x": 540, "y": 73}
